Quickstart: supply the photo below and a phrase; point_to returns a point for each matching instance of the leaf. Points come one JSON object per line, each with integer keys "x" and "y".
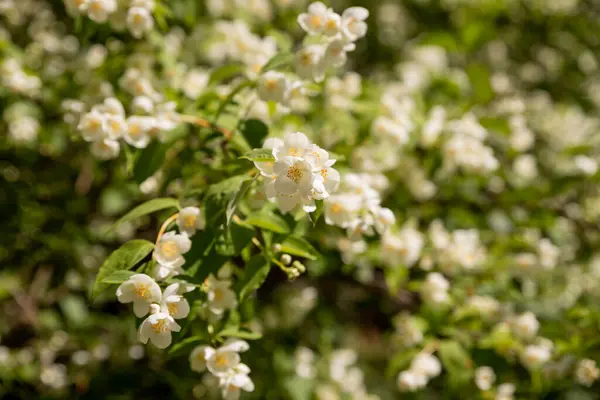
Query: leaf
{"x": 315, "y": 215}
{"x": 148, "y": 208}
{"x": 75, "y": 310}
{"x": 254, "y": 131}
{"x": 268, "y": 220}
{"x": 278, "y": 61}
{"x": 118, "y": 277}
{"x": 395, "y": 277}
{"x": 232, "y": 205}
{"x": 259, "y": 155}
{"x": 234, "y": 331}
{"x": 225, "y": 72}
{"x": 124, "y": 258}
{"x": 298, "y": 246}
{"x": 218, "y": 198}
{"x": 149, "y": 161}
{"x": 255, "y": 273}
{"x": 241, "y": 86}
{"x": 456, "y": 361}
{"x": 185, "y": 346}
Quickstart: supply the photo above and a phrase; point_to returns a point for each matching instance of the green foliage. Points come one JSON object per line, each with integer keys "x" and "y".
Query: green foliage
{"x": 126, "y": 257}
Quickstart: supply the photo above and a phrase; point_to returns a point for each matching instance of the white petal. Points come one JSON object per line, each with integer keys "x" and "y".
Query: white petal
{"x": 140, "y": 308}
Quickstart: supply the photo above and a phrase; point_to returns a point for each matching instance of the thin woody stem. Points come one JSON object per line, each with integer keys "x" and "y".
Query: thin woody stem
{"x": 165, "y": 225}
{"x": 201, "y": 122}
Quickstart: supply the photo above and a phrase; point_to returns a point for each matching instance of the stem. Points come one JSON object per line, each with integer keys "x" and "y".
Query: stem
{"x": 164, "y": 226}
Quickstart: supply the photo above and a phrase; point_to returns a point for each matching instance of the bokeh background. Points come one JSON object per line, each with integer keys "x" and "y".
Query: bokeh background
{"x": 518, "y": 64}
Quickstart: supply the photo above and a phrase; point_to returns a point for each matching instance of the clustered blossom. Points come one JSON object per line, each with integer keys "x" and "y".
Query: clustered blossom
{"x": 336, "y": 33}
{"x": 164, "y": 307}
{"x": 423, "y": 367}
{"x": 170, "y": 247}
{"x": 17, "y": 80}
{"x": 301, "y": 173}
{"x": 224, "y": 363}
{"x": 357, "y": 207}
{"x": 106, "y": 123}
{"x": 136, "y": 15}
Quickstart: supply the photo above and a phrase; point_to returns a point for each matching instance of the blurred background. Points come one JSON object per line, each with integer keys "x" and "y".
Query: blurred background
{"x": 537, "y": 59}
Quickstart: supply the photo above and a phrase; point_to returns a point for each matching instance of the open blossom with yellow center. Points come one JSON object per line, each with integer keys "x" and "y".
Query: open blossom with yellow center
{"x": 314, "y": 20}
{"x": 273, "y": 86}
{"x": 140, "y": 289}
{"x": 219, "y": 360}
{"x": 170, "y": 247}
{"x": 138, "y": 130}
{"x": 190, "y": 220}
{"x": 173, "y": 303}
{"x": 157, "y": 328}
{"x": 220, "y": 295}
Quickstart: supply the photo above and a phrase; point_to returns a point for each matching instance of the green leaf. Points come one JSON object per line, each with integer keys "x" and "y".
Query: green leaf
{"x": 395, "y": 277}
{"x": 232, "y": 205}
{"x": 225, "y": 72}
{"x": 75, "y": 310}
{"x": 234, "y": 331}
{"x": 185, "y": 346}
{"x": 218, "y": 199}
{"x": 298, "y": 246}
{"x": 254, "y": 131}
{"x": 268, "y": 220}
{"x": 255, "y": 273}
{"x": 148, "y": 208}
{"x": 315, "y": 215}
{"x": 149, "y": 161}
{"x": 259, "y": 155}
{"x": 278, "y": 61}
{"x": 124, "y": 258}
{"x": 456, "y": 361}
{"x": 118, "y": 277}
{"x": 241, "y": 86}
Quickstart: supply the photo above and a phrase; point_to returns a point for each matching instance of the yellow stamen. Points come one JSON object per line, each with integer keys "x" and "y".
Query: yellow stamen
{"x": 294, "y": 174}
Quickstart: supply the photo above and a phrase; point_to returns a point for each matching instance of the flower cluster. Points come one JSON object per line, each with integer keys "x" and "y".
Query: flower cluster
{"x": 336, "y": 35}
{"x": 301, "y": 173}
{"x": 423, "y": 367}
{"x": 106, "y": 123}
{"x": 137, "y": 16}
{"x": 170, "y": 247}
{"x": 164, "y": 307}
{"x": 224, "y": 363}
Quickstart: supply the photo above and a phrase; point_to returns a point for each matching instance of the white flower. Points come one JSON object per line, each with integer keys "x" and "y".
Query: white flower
{"x": 383, "y": 219}
{"x": 484, "y": 378}
{"x": 157, "y": 328}
{"x": 410, "y": 381}
{"x": 313, "y": 22}
{"x": 535, "y": 355}
{"x": 105, "y": 149}
{"x": 220, "y": 360}
{"x": 293, "y": 175}
{"x": 526, "y": 325}
{"x": 426, "y": 364}
{"x": 342, "y": 209}
{"x": 190, "y": 220}
{"x": 173, "y": 303}
{"x": 194, "y": 83}
{"x": 235, "y": 380}
{"x": 139, "y": 21}
{"x": 138, "y": 130}
{"x": 220, "y": 295}
{"x": 403, "y": 248}
{"x": 140, "y": 289}
{"x": 273, "y": 86}
{"x": 505, "y": 391}
{"x": 354, "y": 26}
{"x": 433, "y": 126}
{"x": 335, "y": 53}
{"x": 308, "y": 63}
{"x": 586, "y": 165}
{"x": 93, "y": 126}
{"x": 587, "y": 372}
{"x": 99, "y": 10}
{"x": 294, "y": 145}
{"x": 397, "y": 131}
{"x": 169, "y": 249}
{"x": 435, "y": 288}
